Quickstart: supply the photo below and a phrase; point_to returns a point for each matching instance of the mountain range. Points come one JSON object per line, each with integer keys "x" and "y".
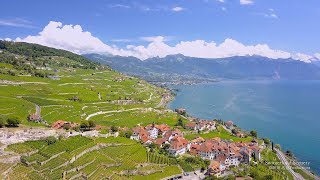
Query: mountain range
{"x": 174, "y": 68}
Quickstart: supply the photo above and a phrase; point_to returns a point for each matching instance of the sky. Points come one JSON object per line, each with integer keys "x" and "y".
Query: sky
{"x": 149, "y": 28}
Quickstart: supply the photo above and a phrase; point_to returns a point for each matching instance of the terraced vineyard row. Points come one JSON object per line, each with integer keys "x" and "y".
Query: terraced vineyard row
{"x": 115, "y": 158}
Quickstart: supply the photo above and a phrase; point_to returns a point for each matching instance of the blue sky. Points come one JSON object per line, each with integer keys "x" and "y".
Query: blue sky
{"x": 288, "y": 25}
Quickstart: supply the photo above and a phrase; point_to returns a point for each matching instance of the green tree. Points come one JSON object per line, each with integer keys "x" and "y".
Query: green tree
{"x": 2, "y": 121}
{"x": 84, "y": 125}
{"x": 91, "y": 124}
{"x": 128, "y": 134}
{"x": 289, "y": 153}
{"x": 166, "y": 146}
{"x": 266, "y": 141}
{"x": 51, "y": 140}
{"x": 114, "y": 129}
{"x": 13, "y": 122}
{"x": 267, "y": 177}
{"x": 254, "y": 133}
{"x": 180, "y": 122}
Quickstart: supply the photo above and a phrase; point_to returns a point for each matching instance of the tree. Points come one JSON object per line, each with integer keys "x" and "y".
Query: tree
{"x": 13, "y": 122}
{"x": 84, "y": 125}
{"x": 254, "y": 133}
{"x": 289, "y": 153}
{"x": 234, "y": 131}
{"x": 114, "y": 129}
{"x": 91, "y": 124}
{"x": 152, "y": 146}
{"x": 266, "y": 141}
{"x": 180, "y": 122}
{"x": 51, "y": 140}
{"x": 128, "y": 134}
{"x": 278, "y": 146}
{"x": 2, "y": 121}
{"x": 166, "y": 146}
{"x": 268, "y": 177}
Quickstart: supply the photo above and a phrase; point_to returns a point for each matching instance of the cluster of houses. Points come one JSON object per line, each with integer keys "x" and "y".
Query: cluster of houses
{"x": 223, "y": 154}
{"x": 60, "y": 124}
{"x": 201, "y": 125}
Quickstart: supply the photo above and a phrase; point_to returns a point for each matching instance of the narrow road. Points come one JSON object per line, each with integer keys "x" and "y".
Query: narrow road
{"x": 162, "y": 102}
{"x": 112, "y": 111}
{"x": 284, "y": 161}
{"x": 38, "y": 110}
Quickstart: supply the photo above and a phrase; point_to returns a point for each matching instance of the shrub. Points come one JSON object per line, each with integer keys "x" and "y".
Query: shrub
{"x": 114, "y": 129}
{"x": 2, "y": 121}
{"x": 254, "y": 133}
{"x": 84, "y": 124}
{"x": 51, "y": 140}
{"x": 91, "y": 124}
{"x": 13, "y": 122}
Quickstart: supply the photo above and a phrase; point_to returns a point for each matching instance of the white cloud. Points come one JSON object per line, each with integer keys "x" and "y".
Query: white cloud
{"x": 16, "y": 22}
{"x": 156, "y": 38}
{"x": 317, "y": 55}
{"x": 73, "y": 38}
{"x": 222, "y": 1}
{"x": 121, "y": 40}
{"x": 224, "y": 9}
{"x": 246, "y": 2}
{"x": 271, "y": 14}
{"x": 177, "y": 9}
{"x": 119, "y": 6}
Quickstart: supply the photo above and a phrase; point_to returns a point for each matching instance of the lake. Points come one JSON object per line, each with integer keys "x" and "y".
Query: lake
{"x": 287, "y": 112}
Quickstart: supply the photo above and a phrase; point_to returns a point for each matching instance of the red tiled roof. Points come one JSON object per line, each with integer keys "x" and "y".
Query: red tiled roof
{"x": 178, "y": 143}
{"x": 214, "y": 165}
{"x": 159, "y": 141}
{"x": 191, "y": 125}
{"x": 163, "y": 127}
{"x": 58, "y": 124}
{"x": 194, "y": 149}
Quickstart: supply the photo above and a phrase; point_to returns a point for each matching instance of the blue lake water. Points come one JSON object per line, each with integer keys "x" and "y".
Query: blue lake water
{"x": 287, "y": 112}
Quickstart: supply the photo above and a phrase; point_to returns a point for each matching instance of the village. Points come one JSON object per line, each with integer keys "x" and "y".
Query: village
{"x": 222, "y": 154}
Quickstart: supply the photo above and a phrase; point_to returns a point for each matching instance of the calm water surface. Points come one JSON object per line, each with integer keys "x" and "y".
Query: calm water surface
{"x": 288, "y": 112}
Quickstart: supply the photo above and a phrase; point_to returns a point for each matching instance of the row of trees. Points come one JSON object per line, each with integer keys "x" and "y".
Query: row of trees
{"x": 34, "y": 51}
{"x": 9, "y": 122}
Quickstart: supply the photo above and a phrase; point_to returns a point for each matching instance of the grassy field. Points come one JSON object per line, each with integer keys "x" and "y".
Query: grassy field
{"x": 123, "y": 101}
{"x": 120, "y": 158}
{"x": 219, "y": 132}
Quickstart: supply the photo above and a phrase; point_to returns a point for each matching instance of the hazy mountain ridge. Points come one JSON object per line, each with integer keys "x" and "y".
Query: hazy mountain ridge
{"x": 239, "y": 67}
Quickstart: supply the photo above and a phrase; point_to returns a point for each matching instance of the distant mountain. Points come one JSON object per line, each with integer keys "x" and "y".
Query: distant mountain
{"x": 179, "y": 67}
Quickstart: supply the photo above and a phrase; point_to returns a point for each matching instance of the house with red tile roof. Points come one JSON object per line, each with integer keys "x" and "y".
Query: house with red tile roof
{"x": 58, "y": 124}
{"x": 62, "y": 124}
{"x": 191, "y": 126}
{"x": 162, "y": 128}
{"x": 178, "y": 146}
{"x": 160, "y": 142}
{"x": 152, "y": 130}
{"x": 138, "y": 133}
{"x": 216, "y": 169}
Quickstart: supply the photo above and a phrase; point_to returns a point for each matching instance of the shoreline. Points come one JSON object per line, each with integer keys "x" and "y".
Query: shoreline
{"x": 309, "y": 171}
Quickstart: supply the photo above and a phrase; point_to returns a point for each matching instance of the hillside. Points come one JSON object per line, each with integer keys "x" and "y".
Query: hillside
{"x": 178, "y": 67}
{"x": 40, "y": 61}
{"x": 74, "y": 89}
{"x": 92, "y": 158}
{"x": 77, "y": 90}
